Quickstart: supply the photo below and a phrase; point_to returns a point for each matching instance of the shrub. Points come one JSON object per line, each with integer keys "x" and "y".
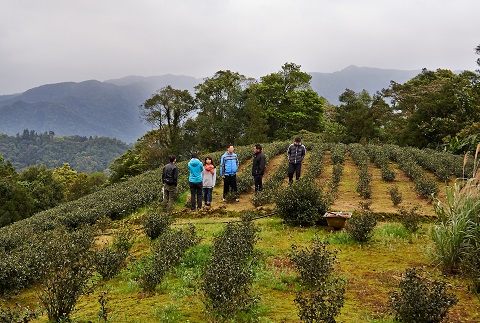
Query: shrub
{"x": 156, "y": 223}
{"x": 17, "y": 314}
{"x": 426, "y": 187}
{"x": 301, "y": 203}
{"x": 410, "y": 219}
{"x": 388, "y": 174}
{"x": 72, "y": 266}
{"x": 166, "y": 253}
{"x": 395, "y": 195}
{"x": 111, "y": 259}
{"x": 363, "y": 185}
{"x": 360, "y": 226}
{"x": 229, "y": 273}
{"x": 421, "y": 299}
{"x": 338, "y": 153}
{"x": 322, "y": 293}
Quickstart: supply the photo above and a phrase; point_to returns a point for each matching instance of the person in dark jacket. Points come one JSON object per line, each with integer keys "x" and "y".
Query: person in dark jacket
{"x": 169, "y": 180}
{"x": 295, "y": 153}
{"x": 258, "y": 167}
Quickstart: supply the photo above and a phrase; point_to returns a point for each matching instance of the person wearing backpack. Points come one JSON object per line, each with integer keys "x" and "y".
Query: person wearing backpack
{"x": 169, "y": 180}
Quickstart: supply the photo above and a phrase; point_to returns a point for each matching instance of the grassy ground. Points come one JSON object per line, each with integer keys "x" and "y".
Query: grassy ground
{"x": 373, "y": 270}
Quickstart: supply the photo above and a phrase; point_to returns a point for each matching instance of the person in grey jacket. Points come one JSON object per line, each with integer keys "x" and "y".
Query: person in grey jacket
{"x": 296, "y": 153}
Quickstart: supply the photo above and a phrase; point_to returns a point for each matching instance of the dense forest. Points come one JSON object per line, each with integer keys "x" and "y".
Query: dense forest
{"x": 40, "y": 171}
{"x": 89, "y": 155}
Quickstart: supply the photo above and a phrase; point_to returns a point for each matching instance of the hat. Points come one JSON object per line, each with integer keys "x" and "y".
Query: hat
{"x": 298, "y": 139}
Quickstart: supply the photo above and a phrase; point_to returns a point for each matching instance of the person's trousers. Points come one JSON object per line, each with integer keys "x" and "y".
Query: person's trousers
{"x": 169, "y": 194}
{"x": 229, "y": 184}
{"x": 196, "y": 195}
{"x": 257, "y": 179}
{"x": 294, "y": 169}
{"x": 207, "y": 195}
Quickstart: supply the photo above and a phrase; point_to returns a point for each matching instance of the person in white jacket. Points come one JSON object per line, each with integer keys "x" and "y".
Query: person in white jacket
{"x": 209, "y": 176}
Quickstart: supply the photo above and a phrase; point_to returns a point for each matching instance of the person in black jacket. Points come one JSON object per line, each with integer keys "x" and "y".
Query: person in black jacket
{"x": 258, "y": 167}
{"x": 169, "y": 180}
{"x": 295, "y": 153}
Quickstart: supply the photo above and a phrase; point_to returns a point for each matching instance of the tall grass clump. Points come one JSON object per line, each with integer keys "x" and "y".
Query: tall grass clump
{"x": 457, "y": 232}
{"x": 301, "y": 203}
{"x": 229, "y": 273}
{"x": 421, "y": 299}
{"x": 321, "y": 294}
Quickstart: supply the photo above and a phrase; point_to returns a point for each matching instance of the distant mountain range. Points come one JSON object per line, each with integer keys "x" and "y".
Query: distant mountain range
{"x": 111, "y": 108}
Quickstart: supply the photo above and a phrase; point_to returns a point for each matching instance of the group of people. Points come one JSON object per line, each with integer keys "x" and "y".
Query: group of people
{"x": 202, "y": 176}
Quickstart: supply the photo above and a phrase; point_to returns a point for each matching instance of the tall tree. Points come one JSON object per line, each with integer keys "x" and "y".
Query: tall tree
{"x": 15, "y": 202}
{"x": 434, "y": 105}
{"x": 221, "y": 118}
{"x": 288, "y": 102}
{"x": 168, "y": 109}
{"x": 43, "y": 187}
{"x": 363, "y": 117}
{"x": 477, "y": 50}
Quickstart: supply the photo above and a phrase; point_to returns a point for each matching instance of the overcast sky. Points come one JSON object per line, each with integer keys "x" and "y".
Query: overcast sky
{"x": 51, "y": 41}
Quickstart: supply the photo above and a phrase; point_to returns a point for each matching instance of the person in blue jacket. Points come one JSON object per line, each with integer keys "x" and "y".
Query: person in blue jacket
{"x": 228, "y": 171}
{"x": 195, "y": 180}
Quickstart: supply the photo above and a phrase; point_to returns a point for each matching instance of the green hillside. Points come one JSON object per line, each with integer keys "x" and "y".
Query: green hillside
{"x": 349, "y": 175}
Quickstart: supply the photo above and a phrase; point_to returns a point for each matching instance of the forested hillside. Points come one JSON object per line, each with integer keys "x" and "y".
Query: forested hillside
{"x": 84, "y": 154}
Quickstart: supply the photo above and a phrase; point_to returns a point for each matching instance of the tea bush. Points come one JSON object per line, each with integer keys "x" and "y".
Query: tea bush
{"x": 314, "y": 168}
{"x": 410, "y": 219}
{"x": 301, "y": 203}
{"x": 17, "y": 314}
{"x": 321, "y": 294}
{"x": 421, "y": 299}
{"x": 395, "y": 195}
{"x": 338, "y": 152}
{"x": 426, "y": 187}
{"x": 380, "y": 156}
{"x": 109, "y": 260}
{"x": 360, "y": 226}
{"x": 70, "y": 267}
{"x": 272, "y": 185}
{"x": 167, "y": 252}
{"x": 229, "y": 272}
{"x": 363, "y": 185}
{"x": 155, "y": 223}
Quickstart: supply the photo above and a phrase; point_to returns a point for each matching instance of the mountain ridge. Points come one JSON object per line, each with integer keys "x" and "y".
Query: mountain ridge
{"x": 111, "y": 108}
